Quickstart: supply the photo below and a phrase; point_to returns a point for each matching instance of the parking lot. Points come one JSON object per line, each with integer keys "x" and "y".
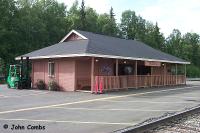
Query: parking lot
{"x": 78, "y": 112}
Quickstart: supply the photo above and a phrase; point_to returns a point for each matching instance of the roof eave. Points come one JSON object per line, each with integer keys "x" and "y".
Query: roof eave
{"x": 103, "y": 56}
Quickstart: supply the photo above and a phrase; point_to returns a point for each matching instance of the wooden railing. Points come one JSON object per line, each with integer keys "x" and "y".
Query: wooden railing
{"x": 106, "y": 83}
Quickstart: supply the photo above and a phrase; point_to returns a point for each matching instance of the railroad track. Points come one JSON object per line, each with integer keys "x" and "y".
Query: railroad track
{"x": 177, "y": 122}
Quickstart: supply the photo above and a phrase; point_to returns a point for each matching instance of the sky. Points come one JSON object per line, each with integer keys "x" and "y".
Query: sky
{"x": 169, "y": 14}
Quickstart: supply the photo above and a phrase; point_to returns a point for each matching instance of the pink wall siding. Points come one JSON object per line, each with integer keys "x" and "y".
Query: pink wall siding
{"x": 83, "y": 73}
{"x": 46, "y": 77}
{"x": 64, "y": 72}
{"x": 83, "y": 68}
{"x": 39, "y": 71}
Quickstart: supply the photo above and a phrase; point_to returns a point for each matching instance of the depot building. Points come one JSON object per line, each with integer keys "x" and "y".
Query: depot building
{"x": 98, "y": 63}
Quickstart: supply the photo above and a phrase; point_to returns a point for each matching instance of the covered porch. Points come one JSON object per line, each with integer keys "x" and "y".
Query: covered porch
{"x": 99, "y": 75}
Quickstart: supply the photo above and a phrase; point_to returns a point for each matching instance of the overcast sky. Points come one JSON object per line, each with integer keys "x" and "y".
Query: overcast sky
{"x": 180, "y": 14}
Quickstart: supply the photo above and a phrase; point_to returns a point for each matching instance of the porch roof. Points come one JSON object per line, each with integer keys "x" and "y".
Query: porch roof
{"x": 96, "y": 45}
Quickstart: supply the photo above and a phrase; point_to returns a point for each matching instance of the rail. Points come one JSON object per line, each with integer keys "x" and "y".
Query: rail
{"x": 145, "y": 127}
{"x": 108, "y": 83}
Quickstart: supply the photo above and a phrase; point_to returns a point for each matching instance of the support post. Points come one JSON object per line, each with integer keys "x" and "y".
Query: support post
{"x": 117, "y": 74}
{"x": 117, "y": 62}
{"x": 32, "y": 73}
{"x": 165, "y": 78}
{"x": 176, "y": 74}
{"x": 151, "y": 76}
{"x": 92, "y": 75}
{"x": 136, "y": 76}
{"x": 185, "y": 73}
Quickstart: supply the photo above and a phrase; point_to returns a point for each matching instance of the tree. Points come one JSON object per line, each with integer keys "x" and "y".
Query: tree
{"x": 187, "y": 47}
{"x": 8, "y": 36}
{"x": 141, "y": 29}
{"x": 128, "y": 24}
{"x": 174, "y": 43}
{"x": 53, "y": 16}
{"x": 132, "y": 26}
{"x": 110, "y": 28}
{"x": 30, "y": 25}
{"x": 82, "y": 16}
{"x": 193, "y": 41}
{"x": 27, "y": 25}
{"x": 158, "y": 38}
{"x": 154, "y": 37}
{"x": 102, "y": 20}
{"x": 73, "y": 16}
{"x": 8, "y": 10}
{"x": 2, "y": 67}
{"x": 91, "y": 20}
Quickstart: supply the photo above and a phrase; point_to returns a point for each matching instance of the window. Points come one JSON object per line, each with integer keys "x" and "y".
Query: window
{"x": 126, "y": 69}
{"x": 51, "y": 69}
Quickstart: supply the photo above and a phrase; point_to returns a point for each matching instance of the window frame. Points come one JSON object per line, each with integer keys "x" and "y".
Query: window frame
{"x": 50, "y": 73}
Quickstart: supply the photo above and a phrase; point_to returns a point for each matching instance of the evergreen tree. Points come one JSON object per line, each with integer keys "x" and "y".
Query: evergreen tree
{"x": 91, "y": 20}
{"x": 111, "y": 27}
{"x": 82, "y": 16}
{"x": 128, "y": 24}
{"x": 73, "y": 16}
{"x": 27, "y": 25}
{"x": 154, "y": 37}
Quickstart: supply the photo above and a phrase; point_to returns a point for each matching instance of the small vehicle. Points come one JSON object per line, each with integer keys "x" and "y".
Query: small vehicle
{"x": 19, "y": 75}
{"x": 14, "y": 76}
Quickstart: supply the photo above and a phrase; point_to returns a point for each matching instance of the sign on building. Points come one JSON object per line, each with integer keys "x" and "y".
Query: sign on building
{"x": 152, "y": 63}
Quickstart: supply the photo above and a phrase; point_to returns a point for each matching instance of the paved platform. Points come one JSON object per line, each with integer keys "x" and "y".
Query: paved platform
{"x": 78, "y": 112}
